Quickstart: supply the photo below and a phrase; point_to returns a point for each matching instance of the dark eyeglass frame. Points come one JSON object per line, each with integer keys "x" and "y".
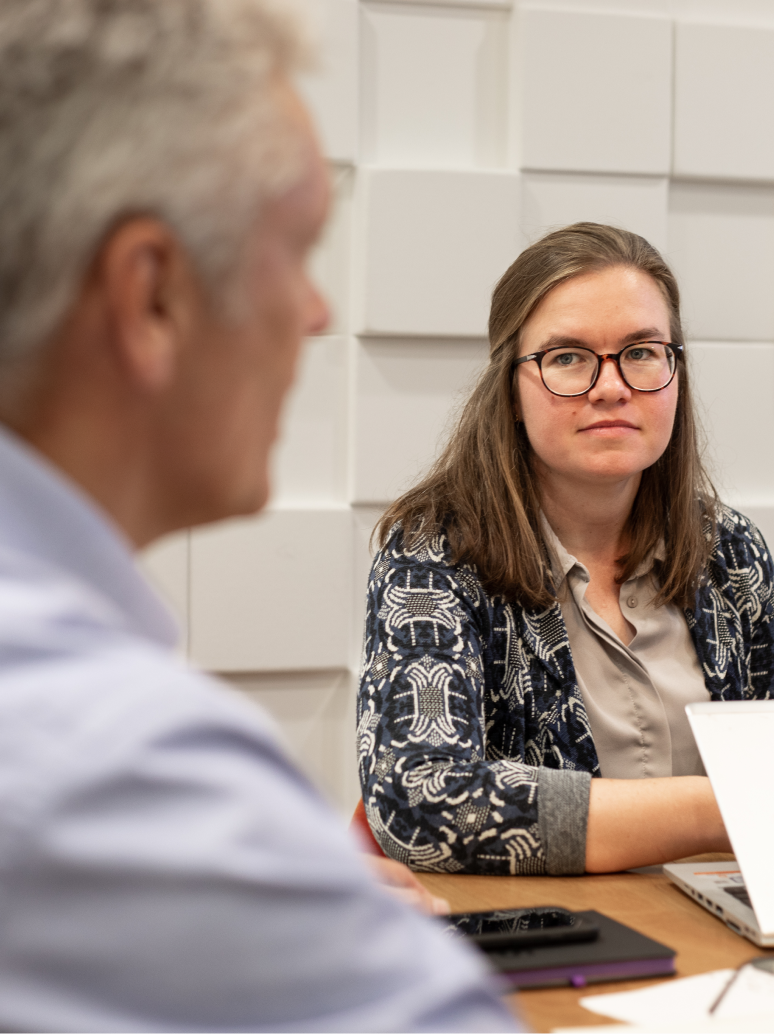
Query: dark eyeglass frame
{"x": 601, "y": 356}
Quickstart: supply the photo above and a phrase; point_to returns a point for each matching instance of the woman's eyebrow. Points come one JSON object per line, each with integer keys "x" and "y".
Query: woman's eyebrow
{"x": 562, "y": 341}
{"x": 648, "y": 334}
{"x": 566, "y": 341}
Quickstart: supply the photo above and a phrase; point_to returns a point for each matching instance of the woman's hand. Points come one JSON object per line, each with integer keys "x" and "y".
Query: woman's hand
{"x": 401, "y": 882}
{"x": 635, "y": 822}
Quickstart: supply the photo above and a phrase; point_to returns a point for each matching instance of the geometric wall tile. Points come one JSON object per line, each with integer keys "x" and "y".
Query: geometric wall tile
{"x": 501, "y": 4}
{"x": 331, "y": 90}
{"x": 433, "y": 82}
{"x": 721, "y": 244}
{"x": 431, "y": 247}
{"x": 724, "y": 99}
{"x": 745, "y": 12}
{"x": 596, "y": 92}
{"x": 553, "y": 199}
{"x": 406, "y": 394}
{"x": 272, "y": 593}
{"x": 309, "y": 463}
{"x": 734, "y": 383}
{"x": 639, "y": 7}
{"x": 315, "y": 713}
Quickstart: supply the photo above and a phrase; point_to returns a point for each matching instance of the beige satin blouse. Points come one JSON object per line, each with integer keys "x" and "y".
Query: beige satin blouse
{"x": 635, "y": 695}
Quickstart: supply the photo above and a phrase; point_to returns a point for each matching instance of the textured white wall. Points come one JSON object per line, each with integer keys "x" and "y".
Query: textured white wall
{"x": 457, "y": 131}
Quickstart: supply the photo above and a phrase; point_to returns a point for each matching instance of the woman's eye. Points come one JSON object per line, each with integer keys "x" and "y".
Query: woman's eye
{"x": 639, "y": 353}
{"x": 565, "y": 358}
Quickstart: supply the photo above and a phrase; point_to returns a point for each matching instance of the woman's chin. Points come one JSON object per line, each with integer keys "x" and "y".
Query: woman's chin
{"x": 614, "y": 464}
{"x": 601, "y": 474}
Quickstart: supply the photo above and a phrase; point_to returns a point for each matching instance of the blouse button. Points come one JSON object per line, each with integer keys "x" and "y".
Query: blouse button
{"x": 632, "y": 602}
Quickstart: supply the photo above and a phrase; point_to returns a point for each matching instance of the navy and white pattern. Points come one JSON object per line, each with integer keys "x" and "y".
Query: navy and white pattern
{"x": 464, "y": 697}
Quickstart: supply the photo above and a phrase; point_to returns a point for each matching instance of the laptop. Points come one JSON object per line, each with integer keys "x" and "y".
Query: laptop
{"x": 736, "y": 742}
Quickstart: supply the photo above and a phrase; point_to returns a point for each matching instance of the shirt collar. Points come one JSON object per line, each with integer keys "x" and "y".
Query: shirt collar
{"x": 563, "y": 562}
{"x": 560, "y": 560}
{"x": 48, "y": 517}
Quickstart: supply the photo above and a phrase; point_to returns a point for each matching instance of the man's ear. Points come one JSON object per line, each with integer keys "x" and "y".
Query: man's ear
{"x": 150, "y": 292}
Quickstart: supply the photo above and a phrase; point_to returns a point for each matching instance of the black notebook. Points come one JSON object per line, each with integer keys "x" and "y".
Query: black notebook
{"x": 617, "y": 953}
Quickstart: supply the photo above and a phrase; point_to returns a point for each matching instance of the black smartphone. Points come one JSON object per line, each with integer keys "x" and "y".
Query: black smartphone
{"x": 509, "y": 929}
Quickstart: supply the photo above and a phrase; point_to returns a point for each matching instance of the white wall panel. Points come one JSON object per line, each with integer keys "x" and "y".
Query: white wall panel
{"x": 310, "y": 460}
{"x": 503, "y": 5}
{"x": 273, "y": 593}
{"x": 724, "y": 81}
{"x": 331, "y": 89}
{"x": 331, "y": 258}
{"x": 640, "y": 7}
{"x": 405, "y": 397}
{"x": 637, "y": 203}
{"x": 165, "y": 565}
{"x": 735, "y": 388}
{"x": 595, "y": 92}
{"x": 431, "y": 246}
{"x": 721, "y": 242}
{"x": 315, "y": 715}
{"x": 756, "y": 13}
{"x": 746, "y": 12}
{"x": 433, "y": 86}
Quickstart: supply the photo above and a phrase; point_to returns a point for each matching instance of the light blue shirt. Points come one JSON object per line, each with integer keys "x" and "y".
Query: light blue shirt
{"x": 163, "y": 866}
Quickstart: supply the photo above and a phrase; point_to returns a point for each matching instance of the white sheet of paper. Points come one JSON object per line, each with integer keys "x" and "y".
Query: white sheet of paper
{"x": 755, "y": 1025}
{"x": 751, "y": 994}
{"x": 675, "y": 1000}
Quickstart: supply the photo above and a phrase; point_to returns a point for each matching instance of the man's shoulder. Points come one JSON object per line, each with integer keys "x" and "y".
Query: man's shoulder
{"x": 129, "y": 743}
{"x": 84, "y": 699}
{"x": 59, "y": 639}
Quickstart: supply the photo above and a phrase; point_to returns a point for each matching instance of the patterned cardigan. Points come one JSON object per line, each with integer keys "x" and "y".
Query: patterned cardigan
{"x": 465, "y": 699}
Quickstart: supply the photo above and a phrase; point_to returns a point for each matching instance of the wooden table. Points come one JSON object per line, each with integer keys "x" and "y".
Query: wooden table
{"x": 648, "y": 902}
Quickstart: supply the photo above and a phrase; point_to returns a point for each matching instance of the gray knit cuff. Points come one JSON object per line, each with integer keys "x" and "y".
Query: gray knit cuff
{"x": 563, "y": 812}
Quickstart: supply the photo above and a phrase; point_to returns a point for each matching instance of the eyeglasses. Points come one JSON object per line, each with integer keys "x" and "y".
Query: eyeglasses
{"x": 569, "y": 370}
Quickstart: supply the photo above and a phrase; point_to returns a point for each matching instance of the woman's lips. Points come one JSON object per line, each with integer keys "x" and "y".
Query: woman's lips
{"x": 610, "y": 427}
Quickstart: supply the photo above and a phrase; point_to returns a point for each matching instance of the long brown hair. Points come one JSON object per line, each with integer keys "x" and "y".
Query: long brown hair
{"x": 483, "y": 493}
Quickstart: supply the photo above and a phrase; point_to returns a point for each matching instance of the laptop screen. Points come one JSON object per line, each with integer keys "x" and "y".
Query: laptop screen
{"x": 736, "y": 741}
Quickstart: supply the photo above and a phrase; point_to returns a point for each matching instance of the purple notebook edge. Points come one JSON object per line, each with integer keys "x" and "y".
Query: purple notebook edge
{"x": 580, "y": 975}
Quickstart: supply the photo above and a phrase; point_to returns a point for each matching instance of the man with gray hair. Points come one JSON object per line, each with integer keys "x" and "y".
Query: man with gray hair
{"x": 162, "y": 865}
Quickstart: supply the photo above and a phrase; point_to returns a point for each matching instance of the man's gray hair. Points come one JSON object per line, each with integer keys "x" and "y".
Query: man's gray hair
{"x": 115, "y": 108}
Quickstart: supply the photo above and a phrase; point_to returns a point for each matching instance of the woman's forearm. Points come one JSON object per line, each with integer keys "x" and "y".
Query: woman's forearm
{"x": 636, "y": 822}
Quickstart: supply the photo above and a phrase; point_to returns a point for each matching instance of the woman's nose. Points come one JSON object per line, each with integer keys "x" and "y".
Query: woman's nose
{"x": 610, "y": 386}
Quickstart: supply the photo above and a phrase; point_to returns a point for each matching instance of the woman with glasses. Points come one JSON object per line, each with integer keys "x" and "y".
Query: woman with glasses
{"x": 556, "y": 590}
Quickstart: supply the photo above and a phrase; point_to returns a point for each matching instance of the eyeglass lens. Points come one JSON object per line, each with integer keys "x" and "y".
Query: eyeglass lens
{"x": 571, "y": 371}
